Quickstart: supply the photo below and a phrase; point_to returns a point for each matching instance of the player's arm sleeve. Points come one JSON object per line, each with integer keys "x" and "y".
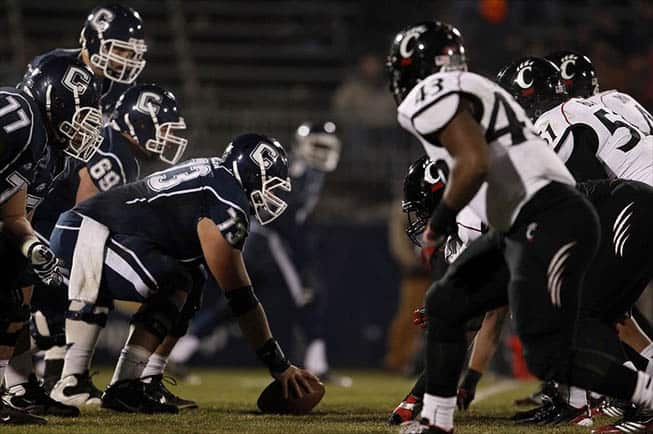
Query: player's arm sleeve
{"x": 582, "y": 161}
{"x": 231, "y": 222}
{"x": 435, "y": 115}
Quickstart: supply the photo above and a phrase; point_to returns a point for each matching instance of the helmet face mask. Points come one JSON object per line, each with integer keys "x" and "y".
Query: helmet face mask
{"x": 120, "y": 61}
{"x": 266, "y": 203}
{"x": 83, "y": 133}
{"x": 167, "y": 145}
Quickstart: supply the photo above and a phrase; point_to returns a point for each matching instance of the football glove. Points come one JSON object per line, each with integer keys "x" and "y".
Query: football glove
{"x": 419, "y": 317}
{"x": 44, "y": 262}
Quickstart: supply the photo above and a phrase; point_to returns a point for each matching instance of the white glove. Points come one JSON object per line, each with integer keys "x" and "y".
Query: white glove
{"x": 43, "y": 261}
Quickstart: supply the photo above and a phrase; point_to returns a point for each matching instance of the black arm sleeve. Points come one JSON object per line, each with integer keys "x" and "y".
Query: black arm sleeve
{"x": 583, "y": 162}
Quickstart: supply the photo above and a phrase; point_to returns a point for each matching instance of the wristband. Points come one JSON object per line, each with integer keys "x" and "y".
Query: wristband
{"x": 443, "y": 220}
{"x": 241, "y": 300}
{"x": 471, "y": 379}
{"x": 272, "y": 356}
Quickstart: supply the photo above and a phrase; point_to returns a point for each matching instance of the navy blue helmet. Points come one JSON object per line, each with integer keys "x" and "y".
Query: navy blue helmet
{"x": 68, "y": 93}
{"x": 318, "y": 145}
{"x": 421, "y": 50}
{"x": 149, "y": 114}
{"x": 423, "y": 190}
{"x": 114, "y": 38}
{"x": 535, "y": 84}
{"x": 260, "y": 164}
{"x": 577, "y": 73}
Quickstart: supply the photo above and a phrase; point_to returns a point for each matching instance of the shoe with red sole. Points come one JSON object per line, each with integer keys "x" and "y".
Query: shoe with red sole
{"x": 406, "y": 411}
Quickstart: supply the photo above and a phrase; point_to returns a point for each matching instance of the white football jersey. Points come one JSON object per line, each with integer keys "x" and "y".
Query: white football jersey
{"x": 520, "y": 162}
{"x": 625, "y": 151}
{"x": 470, "y": 227}
{"x": 627, "y": 107}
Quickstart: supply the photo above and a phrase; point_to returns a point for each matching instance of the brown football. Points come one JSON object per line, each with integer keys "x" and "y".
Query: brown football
{"x": 272, "y": 401}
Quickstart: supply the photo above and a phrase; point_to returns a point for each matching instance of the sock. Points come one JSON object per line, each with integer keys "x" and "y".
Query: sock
{"x": 577, "y": 397}
{"x": 55, "y": 353}
{"x": 648, "y": 351}
{"x": 132, "y": 362}
{"x": 3, "y": 368}
{"x": 439, "y": 411}
{"x": 19, "y": 369}
{"x": 156, "y": 364}
{"x": 185, "y": 348}
{"x": 315, "y": 360}
{"x": 81, "y": 337}
{"x": 643, "y": 393}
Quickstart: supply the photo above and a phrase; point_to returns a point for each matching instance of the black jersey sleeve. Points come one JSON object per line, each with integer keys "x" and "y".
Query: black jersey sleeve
{"x": 582, "y": 162}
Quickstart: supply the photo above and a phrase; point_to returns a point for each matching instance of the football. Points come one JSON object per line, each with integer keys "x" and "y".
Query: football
{"x": 272, "y": 400}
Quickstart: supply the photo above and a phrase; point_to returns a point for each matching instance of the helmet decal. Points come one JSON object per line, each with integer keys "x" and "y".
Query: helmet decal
{"x": 568, "y": 67}
{"x": 149, "y": 102}
{"x": 524, "y": 78}
{"x": 264, "y": 155}
{"x": 406, "y": 49}
{"x": 101, "y": 19}
{"x": 76, "y": 80}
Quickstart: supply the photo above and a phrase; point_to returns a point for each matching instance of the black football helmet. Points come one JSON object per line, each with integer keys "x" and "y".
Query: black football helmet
{"x": 260, "y": 164}
{"x": 535, "y": 84}
{"x": 150, "y": 115}
{"x": 68, "y": 93}
{"x": 114, "y": 38}
{"x": 318, "y": 145}
{"x": 423, "y": 190}
{"x": 577, "y": 73}
{"x": 421, "y": 50}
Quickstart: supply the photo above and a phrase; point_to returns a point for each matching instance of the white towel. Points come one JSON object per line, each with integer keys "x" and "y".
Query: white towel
{"x": 86, "y": 272}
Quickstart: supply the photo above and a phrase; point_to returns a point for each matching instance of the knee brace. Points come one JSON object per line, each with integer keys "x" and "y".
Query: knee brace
{"x": 88, "y": 313}
{"x": 158, "y": 316}
{"x": 192, "y": 305}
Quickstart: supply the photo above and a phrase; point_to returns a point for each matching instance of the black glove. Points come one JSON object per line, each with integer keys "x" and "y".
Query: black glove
{"x": 44, "y": 263}
{"x": 467, "y": 389}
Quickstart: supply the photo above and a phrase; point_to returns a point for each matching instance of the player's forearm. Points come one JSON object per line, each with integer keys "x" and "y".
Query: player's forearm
{"x": 255, "y": 327}
{"x": 487, "y": 339}
{"x": 14, "y": 221}
{"x": 467, "y": 176}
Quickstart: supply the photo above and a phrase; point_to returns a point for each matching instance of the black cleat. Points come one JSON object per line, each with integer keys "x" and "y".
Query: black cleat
{"x": 129, "y": 396}
{"x": 547, "y": 391}
{"x": 554, "y": 412}
{"x": 159, "y": 392}
{"x": 11, "y": 416}
{"x": 31, "y": 398}
{"x": 635, "y": 420}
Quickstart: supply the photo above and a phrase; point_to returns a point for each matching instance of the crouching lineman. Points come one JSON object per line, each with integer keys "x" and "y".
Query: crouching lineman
{"x": 282, "y": 254}
{"x": 144, "y": 242}
{"x": 54, "y": 113}
{"x": 516, "y": 184}
{"x": 145, "y": 125}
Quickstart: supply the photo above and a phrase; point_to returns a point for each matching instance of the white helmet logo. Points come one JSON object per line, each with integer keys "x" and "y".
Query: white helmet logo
{"x": 76, "y": 80}
{"x": 428, "y": 174}
{"x": 264, "y": 155}
{"x": 405, "y": 49}
{"x": 567, "y": 67}
{"x": 101, "y": 19}
{"x": 525, "y": 75}
{"x": 148, "y": 101}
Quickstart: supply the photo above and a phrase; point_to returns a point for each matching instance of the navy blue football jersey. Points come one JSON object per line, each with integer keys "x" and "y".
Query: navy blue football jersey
{"x": 23, "y": 141}
{"x": 112, "y": 165}
{"x": 164, "y": 207}
{"x": 111, "y": 90}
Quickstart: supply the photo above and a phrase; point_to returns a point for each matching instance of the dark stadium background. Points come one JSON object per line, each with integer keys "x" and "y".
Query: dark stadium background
{"x": 266, "y": 66}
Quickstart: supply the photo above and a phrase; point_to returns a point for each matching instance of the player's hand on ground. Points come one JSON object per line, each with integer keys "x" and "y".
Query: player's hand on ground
{"x": 467, "y": 389}
{"x": 296, "y": 381}
{"x": 44, "y": 263}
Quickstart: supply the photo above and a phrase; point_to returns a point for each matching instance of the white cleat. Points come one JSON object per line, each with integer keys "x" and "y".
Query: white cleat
{"x": 77, "y": 390}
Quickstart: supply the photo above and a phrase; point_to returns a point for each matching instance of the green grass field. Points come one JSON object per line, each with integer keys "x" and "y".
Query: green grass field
{"x": 227, "y": 400}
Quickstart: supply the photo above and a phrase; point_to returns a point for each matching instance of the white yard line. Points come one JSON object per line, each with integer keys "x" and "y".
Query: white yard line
{"x": 496, "y": 389}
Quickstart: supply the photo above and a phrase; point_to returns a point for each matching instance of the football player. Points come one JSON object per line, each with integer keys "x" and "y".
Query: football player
{"x": 53, "y": 114}
{"x": 136, "y": 254}
{"x": 625, "y": 279}
{"x": 144, "y": 125}
{"x": 550, "y": 232}
{"x": 113, "y": 46}
{"x": 580, "y": 80}
{"x": 316, "y": 152}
